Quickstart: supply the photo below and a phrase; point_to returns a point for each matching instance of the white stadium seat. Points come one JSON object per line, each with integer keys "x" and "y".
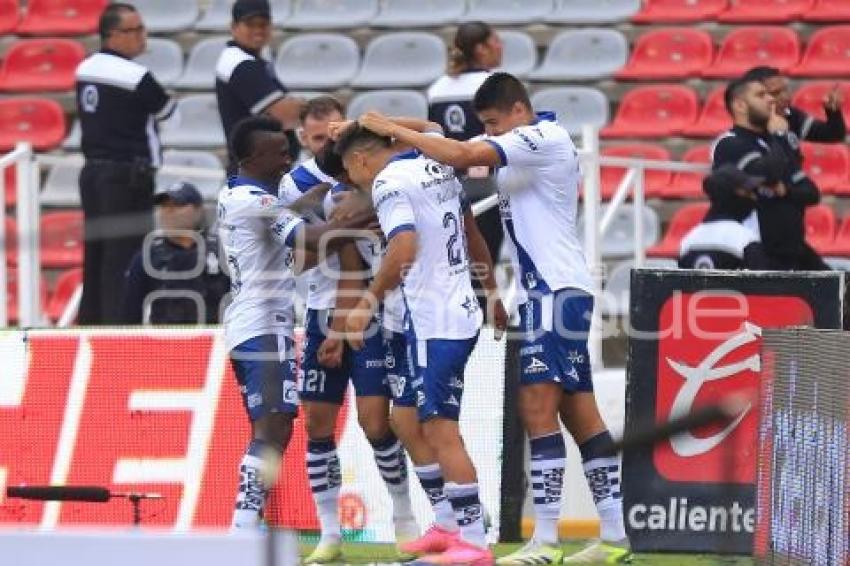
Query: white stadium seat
{"x": 166, "y": 16}
{"x": 332, "y": 14}
{"x": 419, "y": 13}
{"x": 217, "y": 16}
{"x": 62, "y": 187}
{"x": 402, "y": 59}
{"x": 74, "y": 137}
{"x": 574, "y": 106}
{"x": 583, "y": 54}
{"x": 317, "y": 60}
{"x": 519, "y": 54}
{"x": 164, "y": 58}
{"x": 389, "y": 102}
{"x": 199, "y": 73}
{"x": 512, "y": 12}
{"x": 593, "y": 11}
{"x": 195, "y": 123}
{"x": 197, "y": 159}
{"x": 281, "y": 10}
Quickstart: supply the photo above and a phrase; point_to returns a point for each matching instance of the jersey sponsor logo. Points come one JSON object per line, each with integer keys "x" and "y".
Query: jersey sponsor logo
{"x": 374, "y": 364}
{"x": 528, "y": 141}
{"x": 536, "y": 366}
{"x": 386, "y": 197}
{"x": 439, "y": 175}
{"x": 89, "y": 99}
{"x": 713, "y": 354}
{"x": 455, "y": 119}
{"x": 529, "y": 350}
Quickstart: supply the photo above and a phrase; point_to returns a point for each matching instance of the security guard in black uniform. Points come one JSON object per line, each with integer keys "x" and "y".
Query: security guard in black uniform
{"x": 177, "y": 277}
{"x": 119, "y": 103}
{"x": 758, "y": 145}
{"x": 246, "y": 83}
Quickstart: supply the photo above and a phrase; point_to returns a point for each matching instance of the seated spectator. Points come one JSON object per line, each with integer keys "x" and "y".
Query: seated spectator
{"x": 721, "y": 241}
{"x": 176, "y": 277}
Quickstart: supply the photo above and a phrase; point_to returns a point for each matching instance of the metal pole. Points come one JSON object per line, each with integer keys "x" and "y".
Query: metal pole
{"x": 638, "y": 201}
{"x": 4, "y": 276}
{"x": 29, "y": 288}
{"x": 590, "y": 145}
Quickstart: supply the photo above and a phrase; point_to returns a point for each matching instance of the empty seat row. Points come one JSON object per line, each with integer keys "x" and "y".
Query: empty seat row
{"x": 53, "y": 302}
{"x": 683, "y": 52}
{"x": 61, "y": 239}
{"x": 740, "y": 11}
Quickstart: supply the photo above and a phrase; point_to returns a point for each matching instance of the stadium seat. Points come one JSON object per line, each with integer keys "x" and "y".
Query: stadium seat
{"x": 281, "y": 11}
{"x": 747, "y": 47}
{"x": 10, "y": 15}
{"x": 167, "y": 17}
{"x": 10, "y": 179}
{"x": 337, "y": 14}
{"x": 618, "y": 240}
{"x": 828, "y": 11}
{"x": 164, "y": 59}
{"x": 655, "y": 181}
{"x": 209, "y": 188}
{"x": 336, "y": 55}
{"x": 199, "y": 73}
{"x": 592, "y": 11}
{"x": 10, "y": 231}
{"x": 72, "y": 142}
{"x": 828, "y": 165}
{"x": 390, "y": 102}
{"x": 408, "y": 14}
{"x": 689, "y": 185}
{"x": 764, "y": 11}
{"x": 12, "y": 294}
{"x": 61, "y": 17}
{"x": 33, "y": 65}
{"x": 66, "y": 285}
{"x": 574, "y": 106}
{"x": 195, "y": 123}
{"x": 217, "y": 16}
{"x": 62, "y": 187}
{"x": 810, "y": 97}
{"x": 679, "y": 11}
{"x": 840, "y": 246}
{"x": 583, "y": 54}
{"x": 654, "y": 111}
{"x": 820, "y": 227}
{"x": 38, "y": 121}
{"x": 519, "y": 54}
{"x": 681, "y": 223}
{"x": 402, "y": 59}
{"x": 713, "y": 118}
{"x": 62, "y": 239}
{"x": 669, "y": 53}
{"x": 615, "y": 299}
{"x": 508, "y": 12}
{"x": 827, "y": 54}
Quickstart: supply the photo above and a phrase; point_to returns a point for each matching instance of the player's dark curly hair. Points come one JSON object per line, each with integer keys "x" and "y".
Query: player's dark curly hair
{"x": 356, "y": 137}
{"x": 500, "y": 91}
{"x": 329, "y": 161}
{"x": 242, "y": 136}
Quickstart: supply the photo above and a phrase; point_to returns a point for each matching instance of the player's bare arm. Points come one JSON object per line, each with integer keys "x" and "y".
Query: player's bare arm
{"x": 482, "y": 270}
{"x": 349, "y": 291}
{"x": 401, "y": 252}
{"x": 460, "y": 155}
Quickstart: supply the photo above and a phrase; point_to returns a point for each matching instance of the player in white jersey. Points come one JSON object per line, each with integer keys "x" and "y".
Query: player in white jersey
{"x": 418, "y": 202}
{"x": 538, "y": 182}
{"x": 259, "y": 236}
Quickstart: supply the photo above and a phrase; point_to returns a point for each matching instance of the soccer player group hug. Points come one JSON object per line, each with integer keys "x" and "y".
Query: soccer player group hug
{"x": 392, "y": 308}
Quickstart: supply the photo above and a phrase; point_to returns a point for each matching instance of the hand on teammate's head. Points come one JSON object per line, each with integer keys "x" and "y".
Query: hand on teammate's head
{"x": 377, "y": 122}
{"x": 335, "y": 129}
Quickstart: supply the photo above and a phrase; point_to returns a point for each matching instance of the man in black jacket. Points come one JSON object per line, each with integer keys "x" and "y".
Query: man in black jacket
{"x": 786, "y": 191}
{"x": 721, "y": 241}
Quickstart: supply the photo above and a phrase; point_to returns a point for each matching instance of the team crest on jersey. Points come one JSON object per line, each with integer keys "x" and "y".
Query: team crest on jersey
{"x": 90, "y": 98}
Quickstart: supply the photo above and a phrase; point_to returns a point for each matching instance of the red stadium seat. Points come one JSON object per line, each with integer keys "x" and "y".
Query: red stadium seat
{"x": 840, "y": 247}
{"x": 670, "y": 53}
{"x": 828, "y": 165}
{"x": 827, "y": 54}
{"x": 828, "y": 11}
{"x": 33, "y": 65}
{"x": 9, "y": 16}
{"x": 747, "y": 47}
{"x": 38, "y": 121}
{"x": 683, "y": 220}
{"x": 10, "y": 181}
{"x": 12, "y": 294}
{"x": 820, "y": 227}
{"x": 62, "y": 239}
{"x": 765, "y": 11}
{"x": 679, "y": 11}
{"x": 713, "y": 119}
{"x": 11, "y": 234}
{"x": 66, "y": 285}
{"x": 689, "y": 185}
{"x": 810, "y": 97}
{"x": 654, "y": 181}
{"x": 654, "y": 111}
{"x": 61, "y": 17}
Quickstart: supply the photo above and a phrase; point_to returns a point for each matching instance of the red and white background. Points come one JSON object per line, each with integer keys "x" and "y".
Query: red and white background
{"x": 159, "y": 411}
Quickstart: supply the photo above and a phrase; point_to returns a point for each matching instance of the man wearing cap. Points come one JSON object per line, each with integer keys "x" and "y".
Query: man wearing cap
{"x": 721, "y": 241}
{"x": 245, "y": 82}
{"x": 176, "y": 277}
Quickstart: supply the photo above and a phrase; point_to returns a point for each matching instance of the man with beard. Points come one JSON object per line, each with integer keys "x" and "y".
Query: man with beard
{"x": 786, "y": 190}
